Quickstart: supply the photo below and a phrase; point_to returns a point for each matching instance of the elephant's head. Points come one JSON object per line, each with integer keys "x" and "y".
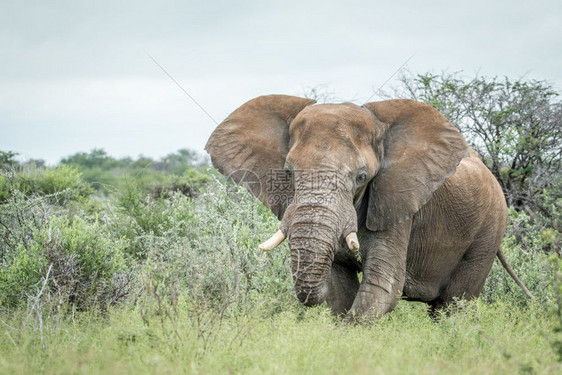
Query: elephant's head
{"x": 320, "y": 165}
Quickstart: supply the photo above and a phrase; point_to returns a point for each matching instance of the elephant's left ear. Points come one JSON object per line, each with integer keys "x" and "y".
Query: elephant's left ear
{"x": 421, "y": 150}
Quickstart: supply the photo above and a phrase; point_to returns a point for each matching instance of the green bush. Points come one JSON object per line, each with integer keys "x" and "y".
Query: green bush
{"x": 79, "y": 262}
{"x": 102, "y": 181}
{"x": 87, "y": 261}
{"x": 56, "y": 249}
{"x": 31, "y": 180}
{"x": 140, "y": 217}
{"x": 20, "y": 276}
{"x": 4, "y": 188}
{"x": 206, "y": 249}
{"x": 21, "y": 217}
{"x": 526, "y": 245}
{"x": 191, "y": 183}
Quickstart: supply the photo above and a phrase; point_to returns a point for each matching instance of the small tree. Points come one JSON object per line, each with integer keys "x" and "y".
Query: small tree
{"x": 7, "y": 159}
{"x": 515, "y": 126}
{"x": 96, "y": 158}
{"x": 180, "y": 161}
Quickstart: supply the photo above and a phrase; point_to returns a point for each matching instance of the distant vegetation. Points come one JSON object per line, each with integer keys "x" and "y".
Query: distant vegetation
{"x": 140, "y": 265}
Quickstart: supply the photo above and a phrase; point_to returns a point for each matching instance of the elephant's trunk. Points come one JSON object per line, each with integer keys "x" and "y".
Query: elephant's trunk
{"x": 311, "y": 261}
{"x": 313, "y": 236}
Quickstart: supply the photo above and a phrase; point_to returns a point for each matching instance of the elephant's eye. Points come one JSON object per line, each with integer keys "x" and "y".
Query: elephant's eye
{"x": 361, "y": 177}
{"x": 288, "y": 172}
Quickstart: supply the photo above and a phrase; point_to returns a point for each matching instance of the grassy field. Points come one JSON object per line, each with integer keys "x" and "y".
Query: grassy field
{"x": 477, "y": 339}
{"x": 159, "y": 273}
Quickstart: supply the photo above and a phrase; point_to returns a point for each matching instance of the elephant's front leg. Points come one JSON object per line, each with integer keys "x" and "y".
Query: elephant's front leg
{"x": 384, "y": 272}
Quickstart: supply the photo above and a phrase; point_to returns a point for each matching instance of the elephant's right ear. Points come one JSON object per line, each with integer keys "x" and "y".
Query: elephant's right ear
{"x": 252, "y": 143}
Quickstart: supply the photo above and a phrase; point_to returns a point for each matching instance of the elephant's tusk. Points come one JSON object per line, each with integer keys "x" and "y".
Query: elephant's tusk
{"x": 273, "y": 242}
{"x": 352, "y": 242}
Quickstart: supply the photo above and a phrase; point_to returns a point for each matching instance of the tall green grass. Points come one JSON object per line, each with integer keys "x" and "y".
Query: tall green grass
{"x": 478, "y": 339}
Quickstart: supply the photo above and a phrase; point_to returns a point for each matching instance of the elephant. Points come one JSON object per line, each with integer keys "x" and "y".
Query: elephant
{"x": 389, "y": 190}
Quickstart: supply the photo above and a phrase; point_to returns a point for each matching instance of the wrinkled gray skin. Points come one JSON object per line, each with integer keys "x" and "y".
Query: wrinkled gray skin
{"x": 429, "y": 215}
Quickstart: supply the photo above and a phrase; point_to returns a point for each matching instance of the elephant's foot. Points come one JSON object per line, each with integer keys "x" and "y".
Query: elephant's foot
{"x": 369, "y": 307}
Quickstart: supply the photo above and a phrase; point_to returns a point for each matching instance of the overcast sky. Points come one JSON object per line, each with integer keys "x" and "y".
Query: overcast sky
{"x": 76, "y": 75}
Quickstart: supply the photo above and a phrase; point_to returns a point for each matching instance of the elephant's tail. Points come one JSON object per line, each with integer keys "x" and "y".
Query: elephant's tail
{"x": 515, "y": 278}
